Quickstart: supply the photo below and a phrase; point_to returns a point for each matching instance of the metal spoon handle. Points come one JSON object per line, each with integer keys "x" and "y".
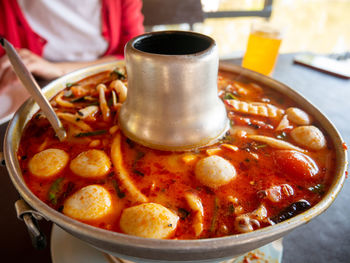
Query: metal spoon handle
{"x": 33, "y": 88}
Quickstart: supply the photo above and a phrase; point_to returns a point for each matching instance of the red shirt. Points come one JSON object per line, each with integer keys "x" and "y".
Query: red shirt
{"x": 121, "y": 21}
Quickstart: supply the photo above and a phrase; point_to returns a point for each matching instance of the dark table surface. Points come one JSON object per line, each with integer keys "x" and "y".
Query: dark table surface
{"x": 324, "y": 239}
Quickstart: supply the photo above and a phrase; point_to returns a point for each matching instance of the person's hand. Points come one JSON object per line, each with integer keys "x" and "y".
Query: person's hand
{"x": 35, "y": 64}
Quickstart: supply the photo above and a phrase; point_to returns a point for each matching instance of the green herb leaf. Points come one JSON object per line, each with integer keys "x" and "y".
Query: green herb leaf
{"x": 261, "y": 146}
{"x": 93, "y": 133}
{"x": 119, "y": 74}
{"x": 226, "y": 139}
{"x": 282, "y": 136}
{"x": 137, "y": 172}
{"x": 183, "y": 213}
{"x": 139, "y": 155}
{"x": 80, "y": 99}
{"x": 120, "y": 194}
{"x": 68, "y": 93}
{"x": 54, "y": 190}
{"x": 130, "y": 143}
{"x": 230, "y": 96}
{"x": 95, "y": 103}
{"x": 110, "y": 102}
{"x": 231, "y": 209}
{"x": 215, "y": 214}
{"x": 317, "y": 189}
{"x": 69, "y": 84}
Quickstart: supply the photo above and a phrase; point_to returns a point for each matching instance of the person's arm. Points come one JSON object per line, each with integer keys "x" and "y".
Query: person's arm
{"x": 131, "y": 22}
{"x": 41, "y": 67}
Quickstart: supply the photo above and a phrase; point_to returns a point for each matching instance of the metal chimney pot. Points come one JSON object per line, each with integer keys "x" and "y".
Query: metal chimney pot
{"x": 172, "y": 101}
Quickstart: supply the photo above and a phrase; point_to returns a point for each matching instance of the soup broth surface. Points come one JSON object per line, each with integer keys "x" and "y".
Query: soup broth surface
{"x": 273, "y": 163}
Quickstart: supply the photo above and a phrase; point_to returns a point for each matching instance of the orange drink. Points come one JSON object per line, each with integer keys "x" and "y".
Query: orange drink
{"x": 262, "y": 49}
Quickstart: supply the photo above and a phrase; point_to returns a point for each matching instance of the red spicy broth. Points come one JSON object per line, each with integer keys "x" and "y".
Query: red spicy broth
{"x": 277, "y": 174}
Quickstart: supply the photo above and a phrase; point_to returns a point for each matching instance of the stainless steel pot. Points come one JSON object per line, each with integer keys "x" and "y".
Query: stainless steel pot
{"x": 153, "y": 250}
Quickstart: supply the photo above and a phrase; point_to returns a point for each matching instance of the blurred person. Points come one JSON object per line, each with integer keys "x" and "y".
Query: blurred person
{"x": 54, "y": 37}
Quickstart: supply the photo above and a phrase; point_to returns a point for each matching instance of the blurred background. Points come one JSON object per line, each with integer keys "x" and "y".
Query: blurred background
{"x": 320, "y": 26}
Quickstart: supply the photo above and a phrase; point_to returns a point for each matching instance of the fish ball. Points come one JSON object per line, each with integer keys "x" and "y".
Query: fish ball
{"x": 298, "y": 116}
{"x": 92, "y": 163}
{"x": 89, "y": 203}
{"x": 149, "y": 220}
{"x": 309, "y": 136}
{"x": 214, "y": 171}
{"x": 48, "y": 163}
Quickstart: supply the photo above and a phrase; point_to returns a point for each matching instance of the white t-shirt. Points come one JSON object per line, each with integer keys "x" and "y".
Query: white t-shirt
{"x": 73, "y": 29}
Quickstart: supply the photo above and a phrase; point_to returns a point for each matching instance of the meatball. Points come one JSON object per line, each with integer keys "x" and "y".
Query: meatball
{"x": 48, "y": 162}
{"x": 89, "y": 203}
{"x": 148, "y": 220}
{"x": 309, "y": 136}
{"x": 214, "y": 171}
{"x": 92, "y": 163}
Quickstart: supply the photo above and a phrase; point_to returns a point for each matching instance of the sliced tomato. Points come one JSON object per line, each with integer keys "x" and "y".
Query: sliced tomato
{"x": 295, "y": 163}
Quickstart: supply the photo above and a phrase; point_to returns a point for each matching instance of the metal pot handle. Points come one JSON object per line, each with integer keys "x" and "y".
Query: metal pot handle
{"x": 30, "y": 217}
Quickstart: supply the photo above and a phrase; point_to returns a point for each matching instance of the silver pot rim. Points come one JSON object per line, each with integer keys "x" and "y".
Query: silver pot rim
{"x": 171, "y": 250}
{"x": 131, "y": 44}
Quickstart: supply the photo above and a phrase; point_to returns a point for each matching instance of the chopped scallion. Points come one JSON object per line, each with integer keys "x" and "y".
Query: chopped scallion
{"x": 118, "y": 74}
{"x": 230, "y": 96}
{"x": 183, "y": 213}
{"x": 317, "y": 189}
{"x": 139, "y": 173}
{"x": 81, "y": 99}
{"x": 95, "y": 103}
{"x": 69, "y": 84}
{"x": 120, "y": 194}
{"x": 231, "y": 209}
{"x": 215, "y": 214}
{"x": 282, "y": 136}
{"x": 110, "y": 102}
{"x": 93, "y": 133}
{"x": 54, "y": 190}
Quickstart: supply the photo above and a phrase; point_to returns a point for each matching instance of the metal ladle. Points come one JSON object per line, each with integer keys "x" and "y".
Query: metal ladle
{"x": 33, "y": 88}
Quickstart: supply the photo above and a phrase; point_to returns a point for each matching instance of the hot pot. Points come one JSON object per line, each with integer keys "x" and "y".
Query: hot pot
{"x": 152, "y": 250}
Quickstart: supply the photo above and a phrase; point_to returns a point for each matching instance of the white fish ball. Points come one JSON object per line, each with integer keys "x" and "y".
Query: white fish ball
{"x": 48, "y": 163}
{"x": 149, "y": 220}
{"x": 214, "y": 171}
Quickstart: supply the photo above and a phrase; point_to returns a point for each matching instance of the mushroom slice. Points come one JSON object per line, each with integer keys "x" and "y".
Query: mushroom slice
{"x": 275, "y": 143}
{"x": 106, "y": 112}
{"x": 195, "y": 204}
{"x": 120, "y": 89}
{"x": 87, "y": 111}
{"x": 248, "y": 222}
{"x": 63, "y": 102}
{"x": 73, "y": 119}
{"x": 284, "y": 124}
{"x": 244, "y": 223}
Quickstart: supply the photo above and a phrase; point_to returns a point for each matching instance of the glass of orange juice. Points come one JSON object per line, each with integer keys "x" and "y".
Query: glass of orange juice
{"x": 262, "y": 48}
